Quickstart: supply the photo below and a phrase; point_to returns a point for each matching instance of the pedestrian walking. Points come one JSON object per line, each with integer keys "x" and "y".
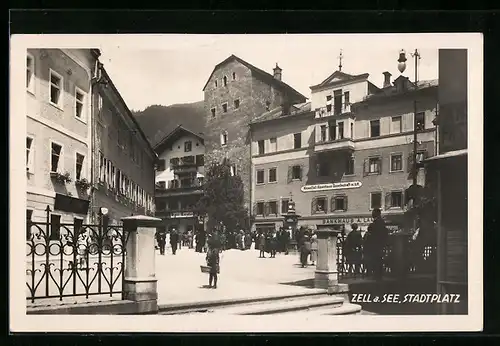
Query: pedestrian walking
{"x": 352, "y": 250}
{"x": 262, "y": 245}
{"x": 273, "y": 244}
{"x": 314, "y": 248}
{"x": 213, "y": 261}
{"x": 174, "y": 240}
{"x": 248, "y": 241}
{"x": 305, "y": 250}
{"x": 377, "y": 239}
{"x": 161, "y": 237}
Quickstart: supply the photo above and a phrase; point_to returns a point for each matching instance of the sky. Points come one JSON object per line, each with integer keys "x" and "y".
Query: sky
{"x": 172, "y": 69}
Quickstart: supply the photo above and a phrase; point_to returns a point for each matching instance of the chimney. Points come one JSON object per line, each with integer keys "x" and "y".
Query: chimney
{"x": 277, "y": 72}
{"x": 387, "y": 79}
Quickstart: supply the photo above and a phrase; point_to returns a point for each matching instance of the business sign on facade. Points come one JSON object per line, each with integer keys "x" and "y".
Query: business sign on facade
{"x": 185, "y": 214}
{"x": 331, "y": 186}
{"x": 347, "y": 220}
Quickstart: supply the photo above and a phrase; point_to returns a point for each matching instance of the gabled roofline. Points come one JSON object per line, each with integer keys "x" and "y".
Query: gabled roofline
{"x": 128, "y": 111}
{"x": 169, "y": 136}
{"x": 350, "y": 78}
{"x": 258, "y": 71}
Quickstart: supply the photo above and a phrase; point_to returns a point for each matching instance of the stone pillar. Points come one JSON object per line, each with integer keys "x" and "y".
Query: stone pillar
{"x": 326, "y": 275}
{"x": 140, "y": 283}
{"x": 400, "y": 260}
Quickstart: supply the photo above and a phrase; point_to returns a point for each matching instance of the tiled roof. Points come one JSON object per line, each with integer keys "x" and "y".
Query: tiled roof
{"x": 392, "y": 90}
{"x": 263, "y": 74}
{"x": 277, "y": 113}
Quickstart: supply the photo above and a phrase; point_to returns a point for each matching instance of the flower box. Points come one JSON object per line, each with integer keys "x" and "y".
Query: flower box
{"x": 61, "y": 178}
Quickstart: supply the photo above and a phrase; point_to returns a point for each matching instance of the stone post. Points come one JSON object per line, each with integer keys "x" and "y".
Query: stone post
{"x": 140, "y": 283}
{"x": 399, "y": 243}
{"x": 326, "y": 274}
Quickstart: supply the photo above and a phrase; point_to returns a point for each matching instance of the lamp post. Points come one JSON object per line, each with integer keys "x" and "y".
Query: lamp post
{"x": 401, "y": 67}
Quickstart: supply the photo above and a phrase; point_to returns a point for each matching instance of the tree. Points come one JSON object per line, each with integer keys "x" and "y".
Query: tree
{"x": 223, "y": 197}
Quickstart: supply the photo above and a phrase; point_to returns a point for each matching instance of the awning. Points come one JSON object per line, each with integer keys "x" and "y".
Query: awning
{"x": 449, "y": 154}
{"x": 166, "y": 175}
{"x": 199, "y": 175}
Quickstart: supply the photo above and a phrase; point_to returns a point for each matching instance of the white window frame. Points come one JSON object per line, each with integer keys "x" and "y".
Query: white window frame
{"x": 379, "y": 164}
{"x": 281, "y": 203}
{"x": 402, "y": 201}
{"x": 381, "y": 199}
{"x": 82, "y": 173}
{"x": 393, "y": 131}
{"x": 257, "y": 208}
{"x": 31, "y": 87}
{"x": 379, "y": 128}
{"x": 223, "y": 143}
{"x": 390, "y": 162}
{"x": 83, "y": 117}
{"x": 269, "y": 175}
{"x": 30, "y": 165}
{"x": 353, "y": 167}
{"x": 301, "y": 173}
{"x": 60, "y": 102}
{"x": 257, "y": 176}
{"x": 278, "y": 207}
{"x": 60, "y": 163}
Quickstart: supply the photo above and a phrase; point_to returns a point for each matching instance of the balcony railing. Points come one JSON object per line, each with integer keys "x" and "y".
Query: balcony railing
{"x": 333, "y": 111}
{"x": 338, "y": 144}
{"x": 175, "y": 185}
{"x": 177, "y": 213}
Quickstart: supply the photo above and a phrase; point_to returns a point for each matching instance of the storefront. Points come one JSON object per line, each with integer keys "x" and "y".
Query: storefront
{"x": 182, "y": 221}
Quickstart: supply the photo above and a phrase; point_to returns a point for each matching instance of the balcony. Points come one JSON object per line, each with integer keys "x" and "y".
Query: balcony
{"x": 324, "y": 112}
{"x": 334, "y": 145}
{"x": 179, "y": 187}
{"x": 176, "y": 214}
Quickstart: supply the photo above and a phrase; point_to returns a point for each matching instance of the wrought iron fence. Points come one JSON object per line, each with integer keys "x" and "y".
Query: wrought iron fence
{"x": 419, "y": 259}
{"x": 67, "y": 260}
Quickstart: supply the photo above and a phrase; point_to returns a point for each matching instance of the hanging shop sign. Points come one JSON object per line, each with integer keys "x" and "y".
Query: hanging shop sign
{"x": 331, "y": 186}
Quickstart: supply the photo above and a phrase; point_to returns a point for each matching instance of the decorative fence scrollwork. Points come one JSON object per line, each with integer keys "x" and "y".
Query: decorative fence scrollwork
{"x": 67, "y": 260}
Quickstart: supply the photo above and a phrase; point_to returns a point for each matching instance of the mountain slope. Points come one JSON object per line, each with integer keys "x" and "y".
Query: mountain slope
{"x": 157, "y": 121}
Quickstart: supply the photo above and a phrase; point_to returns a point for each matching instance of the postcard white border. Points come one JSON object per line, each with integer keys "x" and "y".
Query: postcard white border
{"x": 20, "y": 322}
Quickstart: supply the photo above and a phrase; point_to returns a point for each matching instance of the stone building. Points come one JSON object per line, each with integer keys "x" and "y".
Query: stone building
{"x": 179, "y": 178}
{"x": 58, "y": 140}
{"x": 346, "y": 153}
{"x": 123, "y": 170}
{"x": 235, "y": 94}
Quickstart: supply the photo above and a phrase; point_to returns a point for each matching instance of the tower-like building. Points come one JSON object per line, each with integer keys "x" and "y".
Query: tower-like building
{"x": 235, "y": 94}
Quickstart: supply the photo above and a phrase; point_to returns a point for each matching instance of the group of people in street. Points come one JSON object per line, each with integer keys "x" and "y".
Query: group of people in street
{"x": 273, "y": 242}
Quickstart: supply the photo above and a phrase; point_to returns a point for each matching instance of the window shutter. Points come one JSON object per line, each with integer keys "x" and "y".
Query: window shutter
{"x": 254, "y": 209}
{"x": 345, "y": 203}
{"x": 365, "y": 167}
{"x": 332, "y": 203}
{"x": 301, "y": 171}
{"x": 387, "y": 203}
{"x": 403, "y": 201}
{"x": 290, "y": 174}
{"x": 266, "y": 209}
{"x": 410, "y": 162}
{"x": 314, "y": 205}
{"x": 318, "y": 167}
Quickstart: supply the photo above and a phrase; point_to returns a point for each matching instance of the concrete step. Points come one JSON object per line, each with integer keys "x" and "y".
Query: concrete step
{"x": 284, "y": 306}
{"x": 344, "y": 309}
{"x": 205, "y": 306}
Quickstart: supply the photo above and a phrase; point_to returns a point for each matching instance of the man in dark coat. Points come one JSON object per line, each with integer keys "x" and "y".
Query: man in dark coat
{"x": 377, "y": 239}
{"x": 353, "y": 249}
{"x": 161, "y": 238}
{"x": 174, "y": 240}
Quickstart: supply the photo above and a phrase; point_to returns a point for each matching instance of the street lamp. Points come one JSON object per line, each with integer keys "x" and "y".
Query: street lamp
{"x": 402, "y": 68}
